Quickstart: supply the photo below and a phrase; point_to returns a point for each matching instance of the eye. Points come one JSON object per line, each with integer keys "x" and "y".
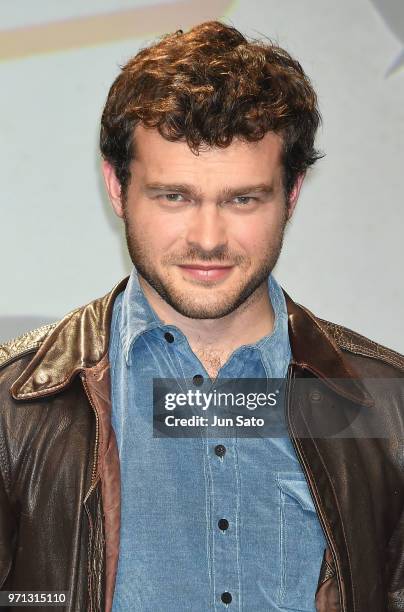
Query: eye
{"x": 244, "y": 200}
{"x": 173, "y": 197}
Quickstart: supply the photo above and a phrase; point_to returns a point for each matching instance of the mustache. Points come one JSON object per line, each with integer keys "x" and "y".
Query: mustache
{"x": 216, "y": 255}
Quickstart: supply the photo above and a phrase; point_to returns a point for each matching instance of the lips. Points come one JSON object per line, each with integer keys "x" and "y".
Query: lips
{"x": 206, "y": 273}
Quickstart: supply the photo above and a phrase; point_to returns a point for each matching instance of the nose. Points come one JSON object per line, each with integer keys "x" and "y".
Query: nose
{"x": 207, "y": 228}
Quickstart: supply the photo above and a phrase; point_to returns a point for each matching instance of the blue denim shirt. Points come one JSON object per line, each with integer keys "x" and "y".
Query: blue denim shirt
{"x": 173, "y": 554}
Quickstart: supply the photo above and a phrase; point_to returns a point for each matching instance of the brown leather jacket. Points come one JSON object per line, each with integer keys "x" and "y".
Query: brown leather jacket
{"x": 59, "y": 466}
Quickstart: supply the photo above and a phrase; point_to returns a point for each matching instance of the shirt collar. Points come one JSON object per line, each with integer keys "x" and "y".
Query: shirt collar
{"x": 275, "y": 347}
{"x": 137, "y": 317}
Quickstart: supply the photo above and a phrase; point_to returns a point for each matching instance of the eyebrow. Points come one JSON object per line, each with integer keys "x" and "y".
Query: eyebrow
{"x": 227, "y": 192}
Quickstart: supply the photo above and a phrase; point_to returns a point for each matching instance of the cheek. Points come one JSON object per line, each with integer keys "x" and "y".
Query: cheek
{"x": 158, "y": 231}
{"x": 255, "y": 232}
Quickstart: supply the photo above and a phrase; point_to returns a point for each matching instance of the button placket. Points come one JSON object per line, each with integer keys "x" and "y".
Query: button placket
{"x": 225, "y": 506}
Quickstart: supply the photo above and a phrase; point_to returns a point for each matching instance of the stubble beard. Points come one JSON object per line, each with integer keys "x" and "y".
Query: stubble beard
{"x": 250, "y": 289}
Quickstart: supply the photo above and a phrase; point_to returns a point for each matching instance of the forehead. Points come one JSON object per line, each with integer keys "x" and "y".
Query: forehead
{"x": 156, "y": 157}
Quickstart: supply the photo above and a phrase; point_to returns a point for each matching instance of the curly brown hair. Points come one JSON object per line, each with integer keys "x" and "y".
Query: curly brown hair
{"x": 206, "y": 87}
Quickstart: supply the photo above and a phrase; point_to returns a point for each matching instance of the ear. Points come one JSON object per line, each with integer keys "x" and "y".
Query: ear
{"x": 294, "y": 194}
{"x": 113, "y": 187}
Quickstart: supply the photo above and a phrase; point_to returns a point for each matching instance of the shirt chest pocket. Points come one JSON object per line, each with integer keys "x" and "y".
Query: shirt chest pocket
{"x": 301, "y": 545}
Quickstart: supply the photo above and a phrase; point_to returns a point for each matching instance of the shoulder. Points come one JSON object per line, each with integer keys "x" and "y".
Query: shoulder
{"x": 93, "y": 314}
{"x": 351, "y": 342}
{"x": 27, "y": 342}
{"x": 58, "y": 350}
{"x": 30, "y": 341}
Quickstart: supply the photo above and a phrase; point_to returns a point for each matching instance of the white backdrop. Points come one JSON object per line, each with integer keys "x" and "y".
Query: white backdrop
{"x": 61, "y": 246}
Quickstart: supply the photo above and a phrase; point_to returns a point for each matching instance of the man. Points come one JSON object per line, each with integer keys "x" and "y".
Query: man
{"x": 206, "y": 138}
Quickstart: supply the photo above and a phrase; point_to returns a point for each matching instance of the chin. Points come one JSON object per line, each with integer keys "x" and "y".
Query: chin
{"x": 202, "y": 310}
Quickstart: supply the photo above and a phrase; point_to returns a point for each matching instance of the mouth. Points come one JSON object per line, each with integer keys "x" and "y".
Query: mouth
{"x": 206, "y": 273}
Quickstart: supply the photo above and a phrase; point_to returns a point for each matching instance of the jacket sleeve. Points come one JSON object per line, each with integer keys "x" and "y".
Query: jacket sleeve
{"x": 7, "y": 531}
{"x": 395, "y": 571}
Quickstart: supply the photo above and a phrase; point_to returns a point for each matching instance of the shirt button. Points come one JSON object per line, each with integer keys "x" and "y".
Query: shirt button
{"x": 226, "y": 597}
{"x": 223, "y": 524}
{"x": 220, "y": 450}
{"x": 198, "y": 380}
{"x": 169, "y": 337}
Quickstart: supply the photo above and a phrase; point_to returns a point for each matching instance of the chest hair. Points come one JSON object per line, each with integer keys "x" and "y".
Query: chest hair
{"x": 211, "y": 359}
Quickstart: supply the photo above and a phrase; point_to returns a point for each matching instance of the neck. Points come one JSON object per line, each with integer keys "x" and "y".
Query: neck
{"x": 250, "y": 322}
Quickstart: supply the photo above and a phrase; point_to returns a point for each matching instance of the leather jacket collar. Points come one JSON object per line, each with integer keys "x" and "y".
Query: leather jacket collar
{"x": 81, "y": 339}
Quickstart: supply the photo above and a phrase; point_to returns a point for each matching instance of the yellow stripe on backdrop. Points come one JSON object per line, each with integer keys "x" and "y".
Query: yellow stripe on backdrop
{"x": 109, "y": 27}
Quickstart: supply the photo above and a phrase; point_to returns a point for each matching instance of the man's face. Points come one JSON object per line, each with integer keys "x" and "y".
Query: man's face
{"x": 223, "y": 209}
